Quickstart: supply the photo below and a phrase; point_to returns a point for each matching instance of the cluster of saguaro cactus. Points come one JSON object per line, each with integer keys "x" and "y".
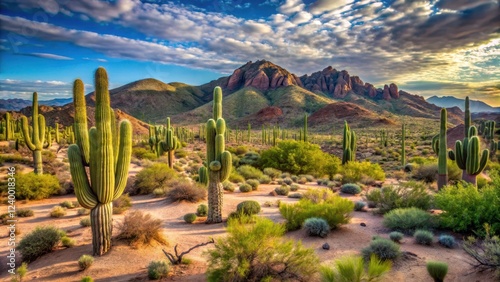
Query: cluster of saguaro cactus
{"x": 108, "y": 159}
{"x": 439, "y": 145}
{"x": 348, "y": 144}
{"x": 218, "y": 161}
{"x": 170, "y": 144}
{"x": 34, "y": 136}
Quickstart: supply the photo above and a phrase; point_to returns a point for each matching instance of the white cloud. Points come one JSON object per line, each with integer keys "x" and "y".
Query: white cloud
{"x": 291, "y": 7}
{"x": 302, "y": 17}
{"x": 321, "y": 6}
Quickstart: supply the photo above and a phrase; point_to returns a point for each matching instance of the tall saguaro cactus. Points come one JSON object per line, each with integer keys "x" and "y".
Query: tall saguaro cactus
{"x": 170, "y": 144}
{"x": 467, "y": 118}
{"x": 348, "y": 144}
{"x": 8, "y": 126}
{"x": 218, "y": 159}
{"x": 403, "y": 144}
{"x": 35, "y": 140}
{"x": 439, "y": 145}
{"x": 108, "y": 177}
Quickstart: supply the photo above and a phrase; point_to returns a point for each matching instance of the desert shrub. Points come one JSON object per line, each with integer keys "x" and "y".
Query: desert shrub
{"x": 287, "y": 181}
{"x": 407, "y": 220}
{"x": 352, "y": 269}
{"x": 83, "y": 211}
{"x": 57, "y": 212}
{"x": 302, "y": 180}
{"x": 39, "y": 242}
{"x": 235, "y": 177}
{"x": 335, "y": 210}
{"x": 32, "y": 186}
{"x": 294, "y": 178}
{"x": 295, "y": 195}
{"x": 294, "y": 187}
{"x": 282, "y": 190}
{"x": 272, "y": 172}
{"x": 318, "y": 195}
{"x": 316, "y": 227}
{"x": 299, "y": 158}
{"x": 85, "y": 261}
{"x": 447, "y": 241}
{"x": 67, "y": 204}
{"x": 159, "y": 192}
{"x": 485, "y": 252}
{"x": 437, "y": 270}
{"x": 138, "y": 228}
{"x": 143, "y": 153}
{"x": 466, "y": 208}
{"x": 180, "y": 154}
{"x": 353, "y": 172}
{"x": 384, "y": 249}
{"x": 254, "y": 183}
{"x": 406, "y": 195}
{"x": 154, "y": 177}
{"x": 426, "y": 172}
{"x": 157, "y": 270}
{"x": 85, "y": 222}
{"x": 248, "y": 207}
{"x": 396, "y": 236}
{"x": 265, "y": 179}
{"x": 123, "y": 203}
{"x": 184, "y": 190}
{"x": 359, "y": 205}
{"x": 423, "y": 237}
{"x": 87, "y": 279}
{"x": 21, "y": 272}
{"x": 249, "y": 172}
{"x": 251, "y": 252}
{"x": 24, "y": 213}
{"x": 244, "y": 188}
{"x": 350, "y": 188}
{"x": 228, "y": 186}
{"x": 67, "y": 242}
{"x": 190, "y": 217}
{"x": 202, "y": 210}
{"x": 250, "y": 158}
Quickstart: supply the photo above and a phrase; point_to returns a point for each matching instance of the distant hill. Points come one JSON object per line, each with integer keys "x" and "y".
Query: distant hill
{"x": 450, "y": 101}
{"x": 17, "y": 104}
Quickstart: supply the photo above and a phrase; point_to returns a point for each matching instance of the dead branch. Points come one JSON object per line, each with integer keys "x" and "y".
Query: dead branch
{"x": 177, "y": 258}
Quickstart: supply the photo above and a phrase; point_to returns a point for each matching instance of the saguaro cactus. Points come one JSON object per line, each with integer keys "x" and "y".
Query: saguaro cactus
{"x": 348, "y": 144}
{"x": 170, "y": 144}
{"x": 108, "y": 177}
{"x": 403, "y": 144}
{"x": 218, "y": 159}
{"x": 439, "y": 143}
{"x": 304, "y": 136}
{"x": 8, "y": 126}
{"x": 468, "y": 156}
{"x": 467, "y": 118}
{"x": 35, "y": 140}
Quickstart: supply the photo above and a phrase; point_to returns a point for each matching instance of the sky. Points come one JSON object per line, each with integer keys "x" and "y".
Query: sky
{"x": 433, "y": 47}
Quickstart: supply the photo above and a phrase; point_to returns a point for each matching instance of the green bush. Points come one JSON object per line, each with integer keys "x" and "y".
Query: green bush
{"x": 352, "y": 269}
{"x": 32, "y": 186}
{"x": 138, "y": 228}
{"x": 282, "y": 190}
{"x": 143, "y": 153}
{"x": 190, "y": 217}
{"x": 423, "y": 237}
{"x": 350, "y": 188}
{"x": 21, "y": 272}
{"x": 335, "y": 210}
{"x": 353, "y": 172}
{"x": 67, "y": 204}
{"x": 254, "y": 183}
{"x": 245, "y": 188}
{"x": 407, "y": 220}
{"x": 426, "y": 172}
{"x": 315, "y": 226}
{"x": 25, "y": 213}
{"x": 318, "y": 195}
{"x": 251, "y": 252}
{"x": 228, "y": 186}
{"x": 250, "y": 158}
{"x": 202, "y": 210}
{"x": 154, "y": 177}
{"x": 294, "y": 187}
{"x": 87, "y": 279}
{"x": 359, "y": 205}
{"x": 406, "y": 195}
{"x": 287, "y": 181}
{"x": 159, "y": 192}
{"x": 67, "y": 242}
{"x": 396, "y": 236}
{"x": 437, "y": 270}
{"x": 249, "y": 172}
{"x": 39, "y": 242}
{"x": 485, "y": 252}
{"x": 85, "y": 222}
{"x": 123, "y": 203}
{"x": 158, "y": 270}
{"x": 384, "y": 249}
{"x": 85, "y": 261}
{"x": 272, "y": 172}
{"x": 83, "y": 211}
{"x": 447, "y": 241}
{"x": 248, "y": 207}
{"x": 184, "y": 190}
{"x": 295, "y": 195}
{"x": 299, "y": 158}
{"x": 265, "y": 179}
{"x": 57, "y": 212}
{"x": 235, "y": 177}
{"x": 467, "y": 209}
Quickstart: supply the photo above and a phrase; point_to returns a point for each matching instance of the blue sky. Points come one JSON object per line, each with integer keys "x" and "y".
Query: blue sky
{"x": 433, "y": 47}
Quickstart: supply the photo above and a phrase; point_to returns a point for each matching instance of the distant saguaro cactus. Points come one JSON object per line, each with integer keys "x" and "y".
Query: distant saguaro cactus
{"x": 170, "y": 144}
{"x": 108, "y": 169}
{"x": 35, "y": 139}
{"x": 8, "y": 126}
{"x": 348, "y": 145}
{"x": 439, "y": 143}
{"x": 467, "y": 118}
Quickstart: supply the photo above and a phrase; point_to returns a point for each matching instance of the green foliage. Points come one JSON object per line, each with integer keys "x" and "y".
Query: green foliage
{"x": 251, "y": 252}
{"x": 264, "y": 179}
{"x": 299, "y": 158}
{"x": 426, "y": 172}
{"x": 405, "y": 195}
{"x": 24, "y": 213}
{"x": 123, "y": 203}
{"x": 350, "y": 188}
{"x": 57, "y": 212}
{"x": 87, "y": 279}
{"x": 67, "y": 204}
{"x": 447, "y": 240}
{"x": 353, "y": 172}
{"x": 294, "y": 187}
{"x": 359, "y": 205}
{"x": 185, "y": 190}
{"x": 396, "y": 236}
{"x": 249, "y": 172}
{"x": 466, "y": 208}
{"x": 316, "y": 227}
{"x": 138, "y": 228}
{"x": 288, "y": 180}
{"x": 143, "y": 153}
{"x": 228, "y": 186}
{"x": 437, "y": 270}
{"x": 245, "y": 188}
{"x": 295, "y": 195}
{"x": 85, "y": 222}
{"x": 202, "y": 210}
{"x": 254, "y": 183}
{"x": 248, "y": 207}
{"x": 190, "y": 217}
{"x": 423, "y": 237}
{"x": 235, "y": 177}
{"x": 83, "y": 211}
{"x": 250, "y": 158}
{"x": 39, "y": 242}
{"x": 319, "y": 195}
{"x": 32, "y": 186}
{"x": 407, "y": 220}
{"x": 384, "y": 249}
{"x": 158, "y": 270}
{"x": 352, "y": 269}
{"x": 282, "y": 190}
{"x": 155, "y": 176}
{"x": 334, "y": 209}
{"x": 272, "y": 172}
{"x": 85, "y": 261}
{"x": 67, "y": 242}
{"x": 21, "y": 271}
{"x": 486, "y": 253}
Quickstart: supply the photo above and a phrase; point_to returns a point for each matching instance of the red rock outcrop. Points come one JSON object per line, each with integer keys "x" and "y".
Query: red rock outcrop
{"x": 393, "y": 90}
{"x": 386, "y": 95}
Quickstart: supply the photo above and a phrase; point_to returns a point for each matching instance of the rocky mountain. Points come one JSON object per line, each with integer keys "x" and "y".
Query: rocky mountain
{"x": 450, "y": 101}
{"x": 17, "y": 104}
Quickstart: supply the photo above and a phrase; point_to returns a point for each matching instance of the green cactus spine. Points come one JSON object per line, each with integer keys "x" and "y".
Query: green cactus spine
{"x": 218, "y": 159}
{"x": 107, "y": 176}
{"x": 348, "y": 145}
{"x": 467, "y": 118}
{"x": 468, "y": 157}
{"x": 35, "y": 141}
{"x": 170, "y": 144}
{"x": 441, "y": 151}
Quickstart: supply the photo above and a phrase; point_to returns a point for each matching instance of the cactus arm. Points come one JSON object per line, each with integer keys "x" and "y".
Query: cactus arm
{"x": 483, "y": 161}
{"x": 124, "y": 155}
{"x": 41, "y": 132}
{"x": 227, "y": 164}
{"x": 114, "y": 134}
{"x": 35, "y": 137}
{"x": 25, "y": 130}
{"x": 83, "y": 192}
{"x": 217, "y": 103}
{"x": 80, "y": 128}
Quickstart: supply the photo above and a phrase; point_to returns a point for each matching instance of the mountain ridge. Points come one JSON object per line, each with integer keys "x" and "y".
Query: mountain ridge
{"x": 476, "y": 106}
